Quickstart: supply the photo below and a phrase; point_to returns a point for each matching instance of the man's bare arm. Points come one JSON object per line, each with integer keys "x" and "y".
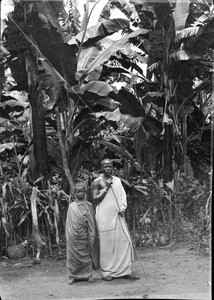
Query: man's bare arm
{"x": 98, "y": 192}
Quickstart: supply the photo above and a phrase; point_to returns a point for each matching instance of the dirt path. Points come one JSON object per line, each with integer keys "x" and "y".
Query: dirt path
{"x": 173, "y": 273}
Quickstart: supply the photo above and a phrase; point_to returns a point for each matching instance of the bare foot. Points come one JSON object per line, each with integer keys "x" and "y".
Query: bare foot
{"x": 107, "y": 278}
{"x": 71, "y": 281}
{"x": 132, "y": 276}
{"x": 91, "y": 279}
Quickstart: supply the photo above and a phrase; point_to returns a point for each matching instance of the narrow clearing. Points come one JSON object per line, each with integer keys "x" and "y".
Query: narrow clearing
{"x": 173, "y": 273}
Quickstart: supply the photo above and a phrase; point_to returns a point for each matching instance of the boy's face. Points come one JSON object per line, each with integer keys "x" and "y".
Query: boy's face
{"x": 80, "y": 193}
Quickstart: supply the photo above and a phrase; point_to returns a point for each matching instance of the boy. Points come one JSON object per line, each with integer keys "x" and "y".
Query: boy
{"x": 80, "y": 237}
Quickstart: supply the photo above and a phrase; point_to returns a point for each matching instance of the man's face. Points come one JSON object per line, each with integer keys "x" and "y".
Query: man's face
{"x": 80, "y": 193}
{"x": 107, "y": 168}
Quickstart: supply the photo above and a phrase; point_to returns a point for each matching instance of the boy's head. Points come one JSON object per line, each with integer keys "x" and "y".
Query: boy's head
{"x": 79, "y": 191}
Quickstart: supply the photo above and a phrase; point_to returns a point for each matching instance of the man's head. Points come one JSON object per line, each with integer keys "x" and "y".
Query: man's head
{"x": 79, "y": 191}
{"x": 107, "y": 166}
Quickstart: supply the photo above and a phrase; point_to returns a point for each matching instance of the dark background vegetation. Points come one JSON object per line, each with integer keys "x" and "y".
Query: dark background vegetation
{"x": 71, "y": 97}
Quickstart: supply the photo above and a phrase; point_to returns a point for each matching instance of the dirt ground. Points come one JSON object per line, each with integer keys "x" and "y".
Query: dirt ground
{"x": 175, "y": 272}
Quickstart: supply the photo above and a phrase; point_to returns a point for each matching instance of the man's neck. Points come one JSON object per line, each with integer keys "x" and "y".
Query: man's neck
{"x": 106, "y": 177}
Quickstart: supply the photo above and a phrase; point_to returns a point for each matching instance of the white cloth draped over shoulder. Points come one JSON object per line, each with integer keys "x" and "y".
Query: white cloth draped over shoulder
{"x": 116, "y": 251}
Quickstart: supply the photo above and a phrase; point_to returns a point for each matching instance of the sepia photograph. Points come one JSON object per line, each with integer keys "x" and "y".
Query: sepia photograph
{"x": 106, "y": 149}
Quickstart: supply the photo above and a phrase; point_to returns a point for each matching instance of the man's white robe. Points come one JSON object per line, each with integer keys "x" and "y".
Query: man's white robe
{"x": 116, "y": 251}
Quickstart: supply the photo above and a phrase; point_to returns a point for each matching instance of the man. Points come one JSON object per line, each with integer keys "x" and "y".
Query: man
{"x": 116, "y": 251}
{"x": 81, "y": 237}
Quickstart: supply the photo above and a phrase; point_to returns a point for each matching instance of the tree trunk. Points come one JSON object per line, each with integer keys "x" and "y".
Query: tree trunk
{"x": 37, "y": 118}
{"x": 63, "y": 152}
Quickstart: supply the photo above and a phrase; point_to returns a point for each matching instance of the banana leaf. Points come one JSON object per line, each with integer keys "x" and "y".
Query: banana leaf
{"x": 51, "y": 46}
{"x": 150, "y": 95}
{"x": 50, "y": 11}
{"x": 199, "y": 13}
{"x": 180, "y": 13}
{"x": 92, "y": 12}
{"x": 20, "y": 96}
{"x": 127, "y": 7}
{"x": 51, "y": 82}
{"x": 115, "y": 137}
{"x": 9, "y": 146}
{"x": 126, "y": 182}
{"x": 116, "y": 149}
{"x": 193, "y": 54}
{"x": 100, "y": 88}
{"x": 128, "y": 120}
{"x": 141, "y": 189}
{"x": 132, "y": 53}
{"x": 105, "y": 54}
{"x": 100, "y": 30}
{"x": 68, "y": 25}
{"x": 186, "y": 33}
{"x": 204, "y": 38}
{"x": 129, "y": 104}
{"x": 108, "y": 102}
{"x": 153, "y": 126}
{"x": 95, "y": 74}
{"x": 87, "y": 55}
{"x": 12, "y": 103}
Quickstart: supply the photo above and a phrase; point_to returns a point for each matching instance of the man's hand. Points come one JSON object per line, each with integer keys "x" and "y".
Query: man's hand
{"x": 108, "y": 184}
{"x": 121, "y": 213}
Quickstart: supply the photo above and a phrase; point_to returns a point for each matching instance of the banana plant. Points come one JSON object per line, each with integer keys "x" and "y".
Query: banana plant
{"x": 159, "y": 100}
{"x": 26, "y": 48}
{"x": 98, "y": 54}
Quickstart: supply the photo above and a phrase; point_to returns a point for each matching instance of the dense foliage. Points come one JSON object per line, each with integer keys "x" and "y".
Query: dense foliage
{"x": 74, "y": 93}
